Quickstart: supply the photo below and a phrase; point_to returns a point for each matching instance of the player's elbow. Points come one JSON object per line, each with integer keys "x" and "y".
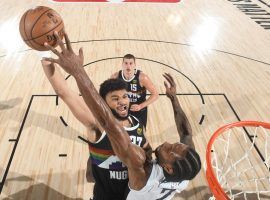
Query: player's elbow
{"x": 61, "y": 92}
{"x": 136, "y": 155}
{"x": 154, "y": 93}
{"x": 138, "y": 161}
{"x": 155, "y": 96}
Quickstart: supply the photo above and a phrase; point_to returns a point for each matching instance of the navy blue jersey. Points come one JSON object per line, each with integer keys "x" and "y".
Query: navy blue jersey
{"x": 109, "y": 172}
{"x": 136, "y": 93}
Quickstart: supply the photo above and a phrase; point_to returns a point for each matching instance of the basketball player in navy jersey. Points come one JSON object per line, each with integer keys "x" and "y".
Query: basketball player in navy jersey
{"x": 138, "y": 84}
{"x": 176, "y": 163}
{"x": 103, "y": 167}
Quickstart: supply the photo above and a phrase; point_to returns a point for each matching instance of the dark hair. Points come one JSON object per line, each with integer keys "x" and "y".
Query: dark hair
{"x": 185, "y": 169}
{"x": 111, "y": 85}
{"x": 129, "y": 56}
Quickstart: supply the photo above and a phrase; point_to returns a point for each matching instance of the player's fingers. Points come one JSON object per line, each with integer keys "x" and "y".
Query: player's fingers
{"x": 133, "y": 108}
{"x": 49, "y": 47}
{"x": 168, "y": 78}
{"x": 164, "y": 75}
{"x": 171, "y": 78}
{"x": 81, "y": 53}
{"x": 68, "y": 42}
{"x": 59, "y": 41}
{"x": 52, "y": 60}
{"x": 165, "y": 84}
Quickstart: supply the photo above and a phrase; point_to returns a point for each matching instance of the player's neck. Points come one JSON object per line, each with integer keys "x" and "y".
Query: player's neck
{"x": 125, "y": 123}
{"x": 129, "y": 75}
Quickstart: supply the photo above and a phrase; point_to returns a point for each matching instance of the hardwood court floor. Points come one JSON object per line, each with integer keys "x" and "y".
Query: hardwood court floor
{"x": 210, "y": 47}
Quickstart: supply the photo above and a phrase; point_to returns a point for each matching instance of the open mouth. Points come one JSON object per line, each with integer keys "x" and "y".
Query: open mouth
{"x": 122, "y": 110}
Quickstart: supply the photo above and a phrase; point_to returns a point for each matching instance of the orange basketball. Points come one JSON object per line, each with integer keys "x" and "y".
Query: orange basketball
{"x": 37, "y": 26}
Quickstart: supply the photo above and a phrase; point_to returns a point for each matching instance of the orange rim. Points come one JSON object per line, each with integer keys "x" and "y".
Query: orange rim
{"x": 213, "y": 183}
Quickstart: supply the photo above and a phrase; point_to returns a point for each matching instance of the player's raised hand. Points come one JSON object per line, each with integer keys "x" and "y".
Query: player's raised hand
{"x": 67, "y": 59}
{"x": 171, "y": 87}
{"x": 136, "y": 107}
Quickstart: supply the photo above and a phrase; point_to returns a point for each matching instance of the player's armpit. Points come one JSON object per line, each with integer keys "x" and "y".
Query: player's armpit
{"x": 148, "y": 150}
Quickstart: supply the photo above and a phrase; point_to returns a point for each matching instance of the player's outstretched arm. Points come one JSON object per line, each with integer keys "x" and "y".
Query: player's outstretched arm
{"x": 73, "y": 64}
{"x": 71, "y": 99}
{"x": 181, "y": 120}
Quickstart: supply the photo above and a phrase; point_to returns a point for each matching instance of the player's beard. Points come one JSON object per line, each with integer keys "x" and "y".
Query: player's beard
{"x": 117, "y": 116}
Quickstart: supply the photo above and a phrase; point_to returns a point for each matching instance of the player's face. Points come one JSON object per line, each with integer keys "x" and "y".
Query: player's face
{"x": 118, "y": 102}
{"x": 129, "y": 66}
{"x": 168, "y": 153}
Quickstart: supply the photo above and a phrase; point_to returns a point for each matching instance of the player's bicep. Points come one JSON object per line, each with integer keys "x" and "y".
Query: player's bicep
{"x": 146, "y": 82}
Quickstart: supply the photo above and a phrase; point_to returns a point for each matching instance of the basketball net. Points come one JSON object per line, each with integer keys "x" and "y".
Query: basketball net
{"x": 238, "y": 161}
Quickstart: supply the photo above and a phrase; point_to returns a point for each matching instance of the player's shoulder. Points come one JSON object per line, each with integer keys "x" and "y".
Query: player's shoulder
{"x": 115, "y": 74}
{"x": 143, "y": 77}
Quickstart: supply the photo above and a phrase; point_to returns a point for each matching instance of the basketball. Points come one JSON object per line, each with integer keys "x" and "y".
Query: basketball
{"x": 37, "y": 26}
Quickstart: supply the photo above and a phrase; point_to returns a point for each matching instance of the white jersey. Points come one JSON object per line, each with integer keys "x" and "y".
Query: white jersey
{"x": 155, "y": 189}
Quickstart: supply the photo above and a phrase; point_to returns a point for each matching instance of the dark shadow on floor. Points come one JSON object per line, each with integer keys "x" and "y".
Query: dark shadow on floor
{"x": 39, "y": 192}
{"x": 10, "y": 103}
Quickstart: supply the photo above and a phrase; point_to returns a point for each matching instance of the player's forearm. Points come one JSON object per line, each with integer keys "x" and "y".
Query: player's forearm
{"x": 182, "y": 123}
{"x": 180, "y": 118}
{"x": 56, "y": 78}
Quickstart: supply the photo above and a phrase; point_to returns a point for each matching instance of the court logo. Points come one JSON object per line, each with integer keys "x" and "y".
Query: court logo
{"x": 254, "y": 11}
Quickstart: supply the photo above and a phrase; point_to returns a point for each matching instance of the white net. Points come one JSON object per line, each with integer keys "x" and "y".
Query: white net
{"x": 240, "y": 159}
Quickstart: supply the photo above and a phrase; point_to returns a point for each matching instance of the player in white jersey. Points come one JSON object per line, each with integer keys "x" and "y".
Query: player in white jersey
{"x": 176, "y": 163}
{"x": 156, "y": 187}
